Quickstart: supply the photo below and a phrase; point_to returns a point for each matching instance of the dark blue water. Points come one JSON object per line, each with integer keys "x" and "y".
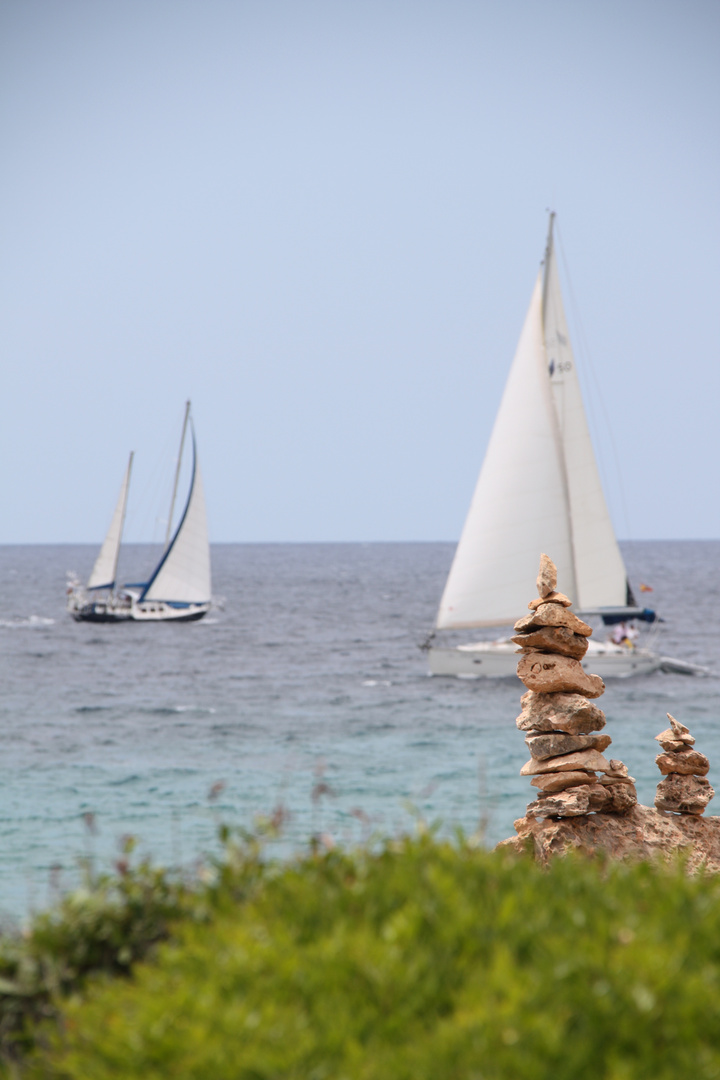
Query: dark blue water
{"x": 311, "y": 669}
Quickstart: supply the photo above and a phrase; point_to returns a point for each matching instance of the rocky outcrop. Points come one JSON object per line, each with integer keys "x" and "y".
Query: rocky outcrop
{"x": 641, "y": 833}
{"x": 561, "y": 724}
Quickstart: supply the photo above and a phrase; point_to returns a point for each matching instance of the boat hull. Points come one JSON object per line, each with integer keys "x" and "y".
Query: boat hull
{"x": 498, "y": 659}
{"x": 102, "y": 612}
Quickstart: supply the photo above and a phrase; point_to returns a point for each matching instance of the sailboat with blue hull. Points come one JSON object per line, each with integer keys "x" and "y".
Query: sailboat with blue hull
{"x": 179, "y": 588}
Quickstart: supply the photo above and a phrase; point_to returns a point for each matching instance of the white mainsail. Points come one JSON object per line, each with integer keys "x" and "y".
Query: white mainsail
{"x": 539, "y": 488}
{"x": 183, "y": 574}
{"x": 105, "y": 569}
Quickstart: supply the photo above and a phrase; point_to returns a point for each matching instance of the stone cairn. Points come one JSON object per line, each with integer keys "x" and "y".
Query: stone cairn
{"x": 684, "y": 788}
{"x": 561, "y": 724}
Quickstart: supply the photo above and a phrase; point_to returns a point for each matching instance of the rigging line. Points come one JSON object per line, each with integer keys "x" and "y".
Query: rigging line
{"x": 583, "y": 341}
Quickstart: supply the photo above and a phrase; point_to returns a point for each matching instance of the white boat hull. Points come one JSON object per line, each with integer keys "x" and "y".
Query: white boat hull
{"x": 498, "y": 659}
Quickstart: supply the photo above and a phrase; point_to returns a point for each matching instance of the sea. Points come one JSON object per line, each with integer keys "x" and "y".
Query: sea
{"x": 304, "y": 695}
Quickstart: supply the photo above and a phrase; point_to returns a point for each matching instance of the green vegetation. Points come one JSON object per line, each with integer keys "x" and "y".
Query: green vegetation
{"x": 421, "y": 959}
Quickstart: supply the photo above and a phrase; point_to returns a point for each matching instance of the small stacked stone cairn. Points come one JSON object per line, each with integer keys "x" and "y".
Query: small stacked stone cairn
{"x": 685, "y": 788}
{"x": 561, "y": 724}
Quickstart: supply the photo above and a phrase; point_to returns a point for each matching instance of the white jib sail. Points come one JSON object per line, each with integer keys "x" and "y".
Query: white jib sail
{"x": 183, "y": 575}
{"x": 519, "y": 508}
{"x": 105, "y": 568}
{"x": 600, "y": 573}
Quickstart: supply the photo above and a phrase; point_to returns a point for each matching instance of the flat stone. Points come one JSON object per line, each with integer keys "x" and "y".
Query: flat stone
{"x": 551, "y": 598}
{"x": 611, "y": 778}
{"x": 571, "y": 713}
{"x": 687, "y": 762}
{"x": 550, "y": 782}
{"x": 547, "y": 576}
{"x": 670, "y": 745}
{"x": 556, "y": 743}
{"x": 642, "y": 834}
{"x": 553, "y": 615}
{"x": 670, "y": 741}
{"x": 588, "y": 760}
{"x": 683, "y": 794}
{"x": 573, "y": 802}
{"x": 554, "y": 639}
{"x": 549, "y": 674}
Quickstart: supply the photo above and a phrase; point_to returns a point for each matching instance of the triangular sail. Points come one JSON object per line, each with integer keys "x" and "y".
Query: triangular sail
{"x": 183, "y": 574}
{"x": 520, "y": 503}
{"x": 600, "y": 575}
{"x": 539, "y": 489}
{"x": 105, "y": 569}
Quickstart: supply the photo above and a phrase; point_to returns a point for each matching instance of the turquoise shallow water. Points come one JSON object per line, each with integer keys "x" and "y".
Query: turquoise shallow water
{"x": 310, "y": 669}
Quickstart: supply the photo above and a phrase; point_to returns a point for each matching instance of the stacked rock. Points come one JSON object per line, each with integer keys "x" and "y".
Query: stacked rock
{"x": 561, "y": 724}
{"x": 685, "y": 788}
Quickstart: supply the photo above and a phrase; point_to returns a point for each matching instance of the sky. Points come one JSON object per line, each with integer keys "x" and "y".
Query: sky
{"x": 321, "y": 221}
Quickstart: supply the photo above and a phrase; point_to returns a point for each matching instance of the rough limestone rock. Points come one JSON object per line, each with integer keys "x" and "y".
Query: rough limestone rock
{"x": 557, "y": 742}
{"x": 573, "y": 802}
{"x": 550, "y": 782}
{"x": 669, "y": 740}
{"x": 642, "y": 833}
{"x": 671, "y": 745}
{"x": 680, "y": 731}
{"x": 590, "y": 798}
{"x": 622, "y": 794}
{"x": 553, "y": 615}
{"x": 613, "y": 778}
{"x": 571, "y": 713}
{"x": 551, "y": 598}
{"x": 554, "y": 639}
{"x": 549, "y": 674}
{"x": 684, "y": 794}
{"x": 547, "y": 576}
{"x": 686, "y": 761}
{"x": 588, "y": 760}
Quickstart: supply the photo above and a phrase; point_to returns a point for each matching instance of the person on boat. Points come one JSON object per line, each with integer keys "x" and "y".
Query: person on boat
{"x": 624, "y": 634}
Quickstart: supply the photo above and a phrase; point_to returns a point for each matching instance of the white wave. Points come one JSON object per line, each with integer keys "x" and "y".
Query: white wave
{"x": 31, "y": 622}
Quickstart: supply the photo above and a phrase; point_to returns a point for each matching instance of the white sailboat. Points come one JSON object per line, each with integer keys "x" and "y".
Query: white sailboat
{"x": 539, "y": 490}
{"x": 179, "y": 588}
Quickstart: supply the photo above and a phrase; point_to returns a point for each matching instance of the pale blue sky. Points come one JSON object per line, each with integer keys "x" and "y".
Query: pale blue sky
{"x": 322, "y": 221}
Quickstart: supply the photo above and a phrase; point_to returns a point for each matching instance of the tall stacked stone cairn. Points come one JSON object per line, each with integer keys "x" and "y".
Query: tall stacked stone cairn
{"x": 561, "y": 725}
{"x": 684, "y": 788}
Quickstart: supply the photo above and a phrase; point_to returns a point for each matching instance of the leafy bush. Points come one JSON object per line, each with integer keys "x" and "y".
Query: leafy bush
{"x": 106, "y": 926}
{"x": 421, "y": 961}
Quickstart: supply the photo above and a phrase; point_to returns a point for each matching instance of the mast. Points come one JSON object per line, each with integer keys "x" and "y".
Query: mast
{"x": 122, "y": 523}
{"x": 546, "y": 275}
{"x": 177, "y": 474}
{"x": 573, "y": 589}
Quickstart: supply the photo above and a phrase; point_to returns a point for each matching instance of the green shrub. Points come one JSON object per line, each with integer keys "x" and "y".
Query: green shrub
{"x": 104, "y": 927}
{"x": 422, "y": 961}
